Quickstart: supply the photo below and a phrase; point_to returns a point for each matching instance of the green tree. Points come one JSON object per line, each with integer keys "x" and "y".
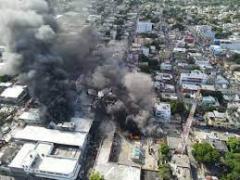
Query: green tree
{"x": 234, "y": 144}
{"x": 231, "y": 160}
{"x": 177, "y": 107}
{"x": 164, "y": 153}
{"x": 164, "y": 149}
{"x": 205, "y": 153}
{"x": 95, "y": 175}
{"x": 165, "y": 172}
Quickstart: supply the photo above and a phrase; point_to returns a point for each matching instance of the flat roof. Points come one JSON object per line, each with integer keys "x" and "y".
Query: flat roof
{"x": 17, "y": 162}
{"x": 163, "y": 106}
{"x": 181, "y": 160}
{"x": 57, "y": 165}
{"x": 13, "y": 92}
{"x": 173, "y": 142}
{"x": 44, "y": 148}
{"x": 47, "y": 163}
{"x": 194, "y": 74}
{"x": 82, "y": 124}
{"x": 30, "y": 115}
{"x": 34, "y": 133}
{"x": 5, "y": 84}
{"x": 118, "y": 172}
{"x": 190, "y": 86}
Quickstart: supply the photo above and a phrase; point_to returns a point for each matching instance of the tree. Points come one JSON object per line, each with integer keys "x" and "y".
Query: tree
{"x": 234, "y": 144}
{"x": 177, "y": 107}
{"x": 164, "y": 151}
{"x": 5, "y": 78}
{"x": 205, "y": 153}
{"x": 95, "y": 175}
{"x": 231, "y": 160}
{"x": 165, "y": 172}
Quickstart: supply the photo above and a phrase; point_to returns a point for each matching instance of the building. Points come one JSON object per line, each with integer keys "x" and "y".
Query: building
{"x": 221, "y": 82}
{"x": 180, "y": 165}
{"x": 204, "y": 65}
{"x": 195, "y": 77}
{"x": 209, "y": 101}
{"x": 163, "y": 111}
{"x": 205, "y": 32}
{"x": 216, "y": 119}
{"x": 230, "y": 44}
{"x": 166, "y": 66}
{"x": 14, "y": 94}
{"x": 32, "y": 116}
{"x": 49, "y": 153}
{"x": 218, "y": 144}
{"x": 233, "y": 115}
{"x": 112, "y": 170}
{"x": 169, "y": 96}
{"x": 145, "y": 51}
{"x": 4, "y": 85}
{"x": 163, "y": 77}
{"x": 173, "y": 142}
{"x": 144, "y": 27}
{"x": 189, "y": 88}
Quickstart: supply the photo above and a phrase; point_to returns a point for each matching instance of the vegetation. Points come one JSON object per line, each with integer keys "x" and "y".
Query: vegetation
{"x": 94, "y": 175}
{"x": 165, "y": 172}
{"x": 164, "y": 152}
{"x": 178, "y": 107}
{"x": 205, "y": 153}
{"x": 4, "y": 78}
{"x": 234, "y": 144}
{"x": 232, "y": 160}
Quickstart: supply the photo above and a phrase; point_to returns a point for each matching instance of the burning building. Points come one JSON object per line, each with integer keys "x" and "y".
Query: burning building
{"x": 45, "y": 55}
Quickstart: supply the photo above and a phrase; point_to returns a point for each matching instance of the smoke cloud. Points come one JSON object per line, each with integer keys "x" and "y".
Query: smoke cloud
{"x": 28, "y": 41}
{"x": 49, "y": 58}
{"x": 140, "y": 88}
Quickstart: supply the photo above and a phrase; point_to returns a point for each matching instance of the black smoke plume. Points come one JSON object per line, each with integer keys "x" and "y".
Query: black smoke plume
{"x": 50, "y": 57}
{"x": 43, "y": 54}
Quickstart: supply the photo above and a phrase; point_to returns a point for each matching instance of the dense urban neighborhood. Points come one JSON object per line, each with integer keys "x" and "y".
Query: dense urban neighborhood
{"x": 120, "y": 89}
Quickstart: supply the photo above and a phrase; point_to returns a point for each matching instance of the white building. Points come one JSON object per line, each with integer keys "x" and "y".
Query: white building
{"x": 163, "y": 111}
{"x": 32, "y": 116}
{"x": 50, "y": 153}
{"x": 14, "y": 94}
{"x": 166, "y": 66}
{"x": 195, "y": 77}
{"x": 144, "y": 27}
